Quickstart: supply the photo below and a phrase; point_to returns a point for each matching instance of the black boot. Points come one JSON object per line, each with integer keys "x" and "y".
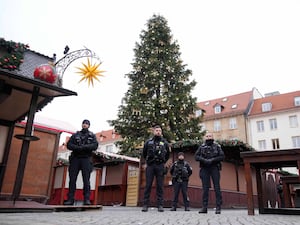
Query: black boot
{"x": 187, "y": 209}
{"x": 218, "y": 210}
{"x": 203, "y": 210}
{"x": 173, "y": 208}
{"x": 69, "y": 202}
{"x": 160, "y": 209}
{"x": 145, "y": 208}
{"x": 87, "y": 202}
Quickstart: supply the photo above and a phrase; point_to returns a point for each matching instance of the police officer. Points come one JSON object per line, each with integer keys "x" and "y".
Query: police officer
{"x": 156, "y": 154}
{"x": 82, "y": 144}
{"x": 210, "y": 156}
{"x": 180, "y": 171}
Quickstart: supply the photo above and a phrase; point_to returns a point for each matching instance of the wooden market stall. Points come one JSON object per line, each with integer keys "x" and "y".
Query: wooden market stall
{"x": 260, "y": 161}
{"x": 21, "y": 96}
{"x": 119, "y": 179}
{"x": 60, "y": 186}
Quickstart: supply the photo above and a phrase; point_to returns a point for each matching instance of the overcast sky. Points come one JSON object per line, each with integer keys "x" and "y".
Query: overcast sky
{"x": 230, "y": 45}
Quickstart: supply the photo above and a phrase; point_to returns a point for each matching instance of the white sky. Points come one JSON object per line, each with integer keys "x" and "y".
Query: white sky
{"x": 230, "y": 45}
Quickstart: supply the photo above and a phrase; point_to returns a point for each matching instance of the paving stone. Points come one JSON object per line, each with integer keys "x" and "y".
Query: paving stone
{"x": 133, "y": 216}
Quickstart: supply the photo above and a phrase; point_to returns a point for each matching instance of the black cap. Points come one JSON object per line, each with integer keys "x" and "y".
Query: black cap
{"x": 180, "y": 153}
{"x": 86, "y": 122}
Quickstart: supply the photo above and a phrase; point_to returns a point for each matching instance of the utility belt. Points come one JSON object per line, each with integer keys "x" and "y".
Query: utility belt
{"x": 218, "y": 165}
{"x": 155, "y": 161}
{"x": 76, "y": 155}
{"x": 180, "y": 179}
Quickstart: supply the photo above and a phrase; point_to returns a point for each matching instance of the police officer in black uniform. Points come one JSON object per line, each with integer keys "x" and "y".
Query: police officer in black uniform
{"x": 82, "y": 144}
{"x": 180, "y": 171}
{"x": 156, "y": 153}
{"x": 210, "y": 156}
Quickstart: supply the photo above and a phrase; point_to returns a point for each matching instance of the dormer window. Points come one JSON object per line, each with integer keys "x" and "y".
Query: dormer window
{"x": 198, "y": 112}
{"x": 218, "y": 109}
{"x": 266, "y": 107}
{"x": 297, "y": 101}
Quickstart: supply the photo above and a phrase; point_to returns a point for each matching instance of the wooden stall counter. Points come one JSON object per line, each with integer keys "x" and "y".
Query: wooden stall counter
{"x": 267, "y": 160}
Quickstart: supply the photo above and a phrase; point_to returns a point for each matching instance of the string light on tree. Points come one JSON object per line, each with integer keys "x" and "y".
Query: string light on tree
{"x": 156, "y": 90}
{"x": 144, "y": 90}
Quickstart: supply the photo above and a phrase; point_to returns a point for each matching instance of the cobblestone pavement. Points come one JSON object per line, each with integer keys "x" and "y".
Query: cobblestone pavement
{"x": 133, "y": 215}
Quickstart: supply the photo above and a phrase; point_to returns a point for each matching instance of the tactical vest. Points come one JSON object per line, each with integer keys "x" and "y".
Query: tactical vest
{"x": 180, "y": 172}
{"x": 209, "y": 152}
{"x": 81, "y": 139}
{"x": 156, "y": 152}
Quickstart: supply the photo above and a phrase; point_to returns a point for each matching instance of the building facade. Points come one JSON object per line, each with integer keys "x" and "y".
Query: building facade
{"x": 273, "y": 122}
{"x": 226, "y": 117}
{"x": 107, "y": 141}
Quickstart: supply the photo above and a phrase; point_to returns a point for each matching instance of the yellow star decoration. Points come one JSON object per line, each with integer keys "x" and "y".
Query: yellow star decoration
{"x": 90, "y": 72}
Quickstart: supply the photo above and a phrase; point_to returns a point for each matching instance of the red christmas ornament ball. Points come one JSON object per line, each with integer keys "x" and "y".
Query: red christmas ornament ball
{"x": 46, "y": 73}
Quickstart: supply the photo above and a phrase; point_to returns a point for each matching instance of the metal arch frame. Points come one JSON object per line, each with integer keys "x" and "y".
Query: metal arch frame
{"x": 62, "y": 64}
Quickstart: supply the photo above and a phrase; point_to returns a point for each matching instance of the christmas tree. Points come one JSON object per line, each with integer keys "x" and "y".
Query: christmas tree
{"x": 159, "y": 92}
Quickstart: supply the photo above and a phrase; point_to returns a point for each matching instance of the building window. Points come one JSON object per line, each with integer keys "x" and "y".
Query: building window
{"x": 260, "y": 126}
{"x": 296, "y": 141}
{"x": 109, "y": 148}
{"x": 217, "y": 125}
{"x": 293, "y": 121}
{"x": 275, "y": 143}
{"x": 273, "y": 124}
{"x": 218, "y": 109}
{"x": 266, "y": 107}
{"x": 262, "y": 145}
{"x": 297, "y": 101}
{"x": 232, "y": 123}
{"x": 198, "y": 113}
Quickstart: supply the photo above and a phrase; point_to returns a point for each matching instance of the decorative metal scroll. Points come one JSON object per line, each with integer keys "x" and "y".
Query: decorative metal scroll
{"x": 62, "y": 64}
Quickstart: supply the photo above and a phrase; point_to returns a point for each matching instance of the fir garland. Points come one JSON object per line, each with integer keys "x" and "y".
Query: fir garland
{"x": 235, "y": 143}
{"x": 231, "y": 148}
{"x": 13, "y": 54}
{"x": 224, "y": 143}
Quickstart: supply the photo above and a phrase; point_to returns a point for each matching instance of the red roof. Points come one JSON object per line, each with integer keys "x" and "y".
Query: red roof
{"x": 233, "y": 104}
{"x": 280, "y": 102}
{"x": 108, "y": 136}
